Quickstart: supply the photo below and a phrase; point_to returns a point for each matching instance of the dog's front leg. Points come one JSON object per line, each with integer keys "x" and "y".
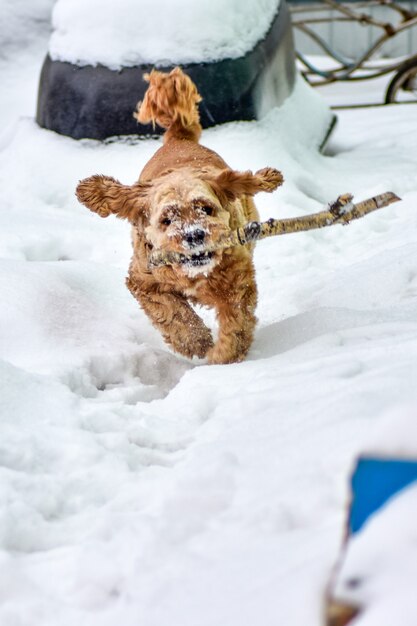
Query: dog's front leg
{"x": 178, "y": 323}
{"x": 236, "y": 319}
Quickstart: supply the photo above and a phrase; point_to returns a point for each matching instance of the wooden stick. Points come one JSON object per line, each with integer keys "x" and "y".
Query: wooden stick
{"x": 341, "y": 211}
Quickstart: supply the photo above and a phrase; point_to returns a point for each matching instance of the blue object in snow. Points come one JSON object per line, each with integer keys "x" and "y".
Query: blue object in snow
{"x": 374, "y": 482}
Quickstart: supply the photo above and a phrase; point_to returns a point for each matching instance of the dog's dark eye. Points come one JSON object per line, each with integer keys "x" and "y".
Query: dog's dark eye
{"x": 166, "y": 221}
{"x": 208, "y": 210}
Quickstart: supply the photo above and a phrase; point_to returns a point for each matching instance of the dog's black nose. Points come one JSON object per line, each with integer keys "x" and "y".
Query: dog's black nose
{"x": 195, "y": 237}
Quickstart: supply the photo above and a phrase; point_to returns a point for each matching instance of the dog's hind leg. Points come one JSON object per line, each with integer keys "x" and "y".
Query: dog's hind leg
{"x": 178, "y": 323}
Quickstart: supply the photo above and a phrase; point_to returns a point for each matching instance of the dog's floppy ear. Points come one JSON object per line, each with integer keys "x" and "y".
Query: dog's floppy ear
{"x": 229, "y": 184}
{"x": 106, "y": 195}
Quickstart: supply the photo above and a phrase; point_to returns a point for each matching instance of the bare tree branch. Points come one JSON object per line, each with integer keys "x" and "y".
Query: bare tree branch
{"x": 341, "y": 211}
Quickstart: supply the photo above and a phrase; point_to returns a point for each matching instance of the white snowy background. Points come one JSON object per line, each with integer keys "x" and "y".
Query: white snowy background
{"x": 139, "y": 488}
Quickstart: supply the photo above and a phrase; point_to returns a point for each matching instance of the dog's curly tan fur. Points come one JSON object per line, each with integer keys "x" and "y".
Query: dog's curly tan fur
{"x": 187, "y": 196}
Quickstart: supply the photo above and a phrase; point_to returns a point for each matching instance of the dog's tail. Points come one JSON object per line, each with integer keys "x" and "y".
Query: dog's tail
{"x": 171, "y": 102}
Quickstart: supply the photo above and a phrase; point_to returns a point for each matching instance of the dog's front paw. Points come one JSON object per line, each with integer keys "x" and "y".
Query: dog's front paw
{"x": 196, "y": 343}
{"x": 232, "y": 345}
{"x": 222, "y": 355}
{"x": 201, "y": 344}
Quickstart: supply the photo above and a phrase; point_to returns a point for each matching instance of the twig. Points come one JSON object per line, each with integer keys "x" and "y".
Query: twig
{"x": 341, "y": 211}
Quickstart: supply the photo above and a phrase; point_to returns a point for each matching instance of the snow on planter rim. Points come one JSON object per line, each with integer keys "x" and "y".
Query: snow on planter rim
{"x": 157, "y": 32}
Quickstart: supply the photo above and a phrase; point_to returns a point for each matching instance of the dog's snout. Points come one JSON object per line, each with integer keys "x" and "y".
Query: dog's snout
{"x": 195, "y": 237}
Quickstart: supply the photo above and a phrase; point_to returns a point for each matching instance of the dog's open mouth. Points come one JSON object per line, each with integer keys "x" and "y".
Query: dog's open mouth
{"x": 198, "y": 260}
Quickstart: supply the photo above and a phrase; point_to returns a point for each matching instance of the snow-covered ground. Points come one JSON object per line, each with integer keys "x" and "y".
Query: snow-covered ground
{"x": 139, "y": 488}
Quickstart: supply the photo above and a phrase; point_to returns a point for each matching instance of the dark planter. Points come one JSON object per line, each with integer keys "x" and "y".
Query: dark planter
{"x": 96, "y": 102}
